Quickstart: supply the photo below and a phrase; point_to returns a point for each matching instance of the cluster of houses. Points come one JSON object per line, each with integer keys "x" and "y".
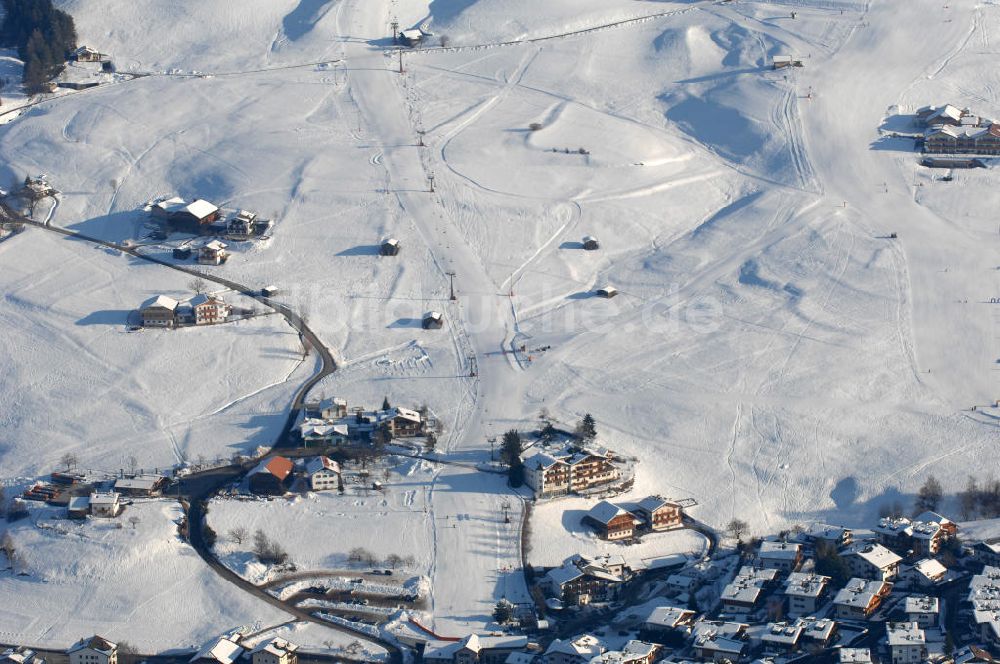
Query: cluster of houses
{"x": 949, "y": 130}
{"x": 571, "y": 469}
{"x": 224, "y": 650}
{"x": 778, "y": 602}
{"x": 330, "y": 422}
{"x": 612, "y": 521}
{"x": 273, "y": 476}
{"x": 110, "y": 502}
{"x": 201, "y": 217}
{"x": 202, "y": 309}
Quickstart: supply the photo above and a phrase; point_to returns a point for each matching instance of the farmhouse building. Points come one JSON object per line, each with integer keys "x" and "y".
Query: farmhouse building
{"x": 86, "y": 54}
{"x": 658, "y": 513}
{"x": 95, "y": 650}
{"x": 213, "y": 253}
{"x": 141, "y": 485}
{"x": 209, "y": 309}
{"x": 580, "y": 650}
{"x": 220, "y": 651}
{"x": 611, "y": 521}
{"x": 159, "y": 311}
{"x": 271, "y": 476}
{"x": 78, "y": 507}
{"x": 323, "y": 473}
{"x": 105, "y": 504}
{"x": 275, "y": 651}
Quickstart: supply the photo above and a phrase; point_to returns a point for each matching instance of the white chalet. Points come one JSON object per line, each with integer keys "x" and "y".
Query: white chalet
{"x": 275, "y": 651}
{"x": 923, "y": 610}
{"x": 872, "y": 561}
{"x": 95, "y": 650}
{"x": 105, "y": 504}
{"x": 782, "y": 556}
{"x": 860, "y": 598}
{"x": 804, "y": 591}
{"x": 580, "y": 650}
{"x": 906, "y": 642}
{"x": 323, "y": 473}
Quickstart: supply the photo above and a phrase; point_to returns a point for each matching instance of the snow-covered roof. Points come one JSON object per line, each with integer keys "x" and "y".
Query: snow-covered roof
{"x": 733, "y": 630}
{"x": 930, "y": 568}
{"x": 782, "y": 633}
{"x": 104, "y": 498}
{"x": 779, "y": 550}
{"x": 563, "y": 575}
{"x": 278, "y": 466}
{"x": 874, "y": 554}
{"x": 318, "y": 463}
{"x": 653, "y": 503}
{"x": 586, "y": 645}
{"x": 921, "y": 604}
{"x": 406, "y": 414}
{"x": 542, "y": 460}
{"x": 668, "y": 616}
{"x": 201, "y": 208}
{"x": 805, "y": 584}
{"x": 140, "y": 482}
{"x": 605, "y": 511}
{"x": 321, "y": 428}
{"x": 276, "y": 647}
{"x": 412, "y": 34}
{"x": 948, "y": 112}
{"x": 855, "y": 656}
{"x": 78, "y": 503}
{"x": 904, "y": 634}
{"x": 859, "y": 592}
{"x": 223, "y": 651}
{"x": 160, "y": 302}
{"x": 98, "y": 643}
{"x": 215, "y": 245}
{"x": 172, "y": 204}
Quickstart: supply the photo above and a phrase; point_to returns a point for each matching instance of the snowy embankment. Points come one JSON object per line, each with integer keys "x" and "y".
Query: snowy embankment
{"x": 118, "y": 577}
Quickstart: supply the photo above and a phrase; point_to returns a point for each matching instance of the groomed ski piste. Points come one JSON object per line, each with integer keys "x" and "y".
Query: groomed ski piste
{"x": 772, "y": 353}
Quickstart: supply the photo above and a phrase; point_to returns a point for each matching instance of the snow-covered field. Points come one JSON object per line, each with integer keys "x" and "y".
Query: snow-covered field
{"x": 119, "y": 579}
{"x": 320, "y": 529}
{"x": 771, "y": 353}
{"x": 76, "y": 381}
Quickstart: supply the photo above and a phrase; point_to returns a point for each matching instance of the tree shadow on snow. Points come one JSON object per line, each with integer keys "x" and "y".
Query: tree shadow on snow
{"x": 300, "y": 21}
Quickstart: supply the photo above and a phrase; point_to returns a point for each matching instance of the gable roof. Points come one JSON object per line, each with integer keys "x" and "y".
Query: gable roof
{"x": 653, "y": 503}
{"x": 98, "y": 643}
{"x": 160, "y": 301}
{"x": 605, "y": 511}
{"x": 223, "y": 651}
{"x": 278, "y": 466}
{"x": 276, "y": 647}
{"x": 201, "y": 208}
{"x": 316, "y": 464}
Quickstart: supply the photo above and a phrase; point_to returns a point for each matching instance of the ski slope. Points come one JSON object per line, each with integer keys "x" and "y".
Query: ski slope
{"x": 771, "y": 353}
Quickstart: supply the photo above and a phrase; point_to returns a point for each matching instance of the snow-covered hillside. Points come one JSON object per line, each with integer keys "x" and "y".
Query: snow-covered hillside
{"x": 772, "y": 353}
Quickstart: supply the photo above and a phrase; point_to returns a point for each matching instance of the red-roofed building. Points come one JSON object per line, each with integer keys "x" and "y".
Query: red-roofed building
{"x": 271, "y": 476}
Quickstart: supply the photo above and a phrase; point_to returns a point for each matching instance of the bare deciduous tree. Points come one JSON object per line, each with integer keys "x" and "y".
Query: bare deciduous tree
{"x": 198, "y": 285}
{"x": 133, "y": 521}
{"x": 237, "y": 535}
{"x": 68, "y": 460}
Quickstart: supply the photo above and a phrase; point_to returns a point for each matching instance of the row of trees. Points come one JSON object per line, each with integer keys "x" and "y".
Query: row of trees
{"x": 363, "y": 556}
{"x": 267, "y": 550}
{"x": 43, "y": 36}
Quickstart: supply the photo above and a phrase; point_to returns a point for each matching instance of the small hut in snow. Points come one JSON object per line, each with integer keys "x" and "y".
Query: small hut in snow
{"x": 433, "y": 320}
{"x": 590, "y": 243}
{"x": 607, "y": 292}
{"x": 389, "y": 247}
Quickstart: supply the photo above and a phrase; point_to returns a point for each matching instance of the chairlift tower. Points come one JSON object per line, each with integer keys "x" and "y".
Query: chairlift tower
{"x": 451, "y": 276}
